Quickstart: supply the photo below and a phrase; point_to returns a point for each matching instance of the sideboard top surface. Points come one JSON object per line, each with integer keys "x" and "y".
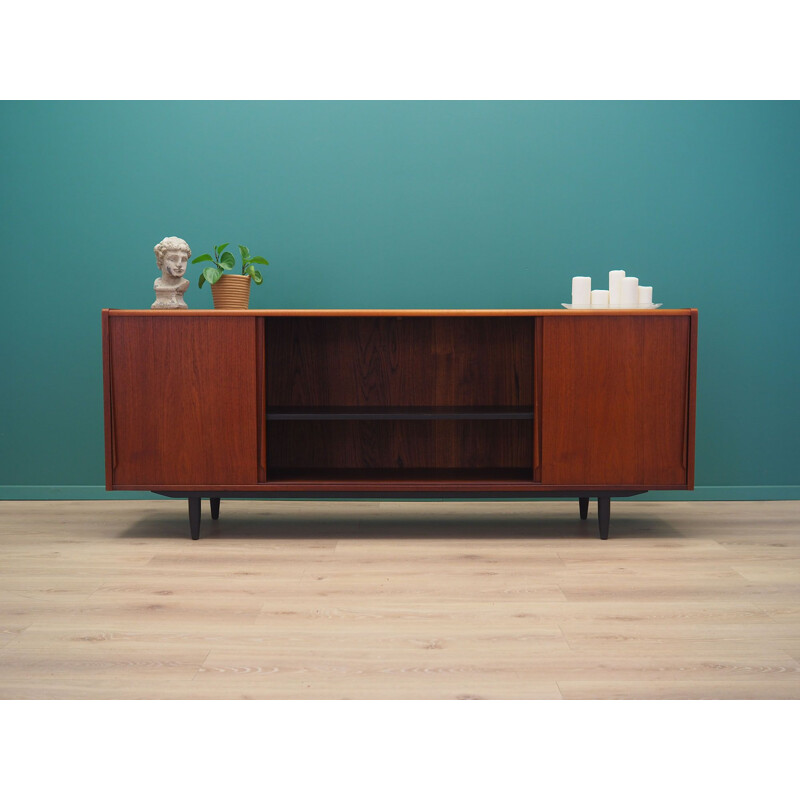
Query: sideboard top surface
{"x": 397, "y": 312}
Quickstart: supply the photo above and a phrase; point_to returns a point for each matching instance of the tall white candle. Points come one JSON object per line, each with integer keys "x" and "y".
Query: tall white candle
{"x": 599, "y": 298}
{"x": 645, "y": 295}
{"x": 630, "y": 292}
{"x": 581, "y": 291}
{"x": 615, "y": 286}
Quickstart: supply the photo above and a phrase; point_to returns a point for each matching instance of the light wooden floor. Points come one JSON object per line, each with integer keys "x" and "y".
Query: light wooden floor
{"x": 111, "y": 599}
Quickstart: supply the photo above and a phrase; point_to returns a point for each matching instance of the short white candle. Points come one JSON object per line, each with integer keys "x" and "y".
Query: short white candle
{"x": 630, "y": 292}
{"x": 645, "y": 295}
{"x": 615, "y": 286}
{"x": 581, "y": 291}
{"x": 600, "y": 298}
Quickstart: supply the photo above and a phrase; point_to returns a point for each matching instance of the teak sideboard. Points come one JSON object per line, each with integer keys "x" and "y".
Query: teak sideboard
{"x": 502, "y": 404}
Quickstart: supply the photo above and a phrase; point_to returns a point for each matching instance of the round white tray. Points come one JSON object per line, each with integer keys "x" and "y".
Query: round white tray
{"x": 608, "y": 308}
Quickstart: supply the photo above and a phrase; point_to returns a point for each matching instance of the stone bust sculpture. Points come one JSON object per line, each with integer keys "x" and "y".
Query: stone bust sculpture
{"x": 172, "y": 256}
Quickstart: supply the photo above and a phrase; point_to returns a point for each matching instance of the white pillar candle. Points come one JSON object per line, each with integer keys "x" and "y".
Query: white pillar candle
{"x": 645, "y": 295}
{"x": 615, "y": 286}
{"x": 630, "y": 292}
{"x": 599, "y": 298}
{"x": 581, "y": 291}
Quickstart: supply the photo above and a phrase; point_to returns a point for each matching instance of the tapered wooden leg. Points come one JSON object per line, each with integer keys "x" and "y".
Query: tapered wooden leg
{"x": 194, "y": 517}
{"x": 583, "y": 503}
{"x": 603, "y": 515}
{"x": 214, "y": 507}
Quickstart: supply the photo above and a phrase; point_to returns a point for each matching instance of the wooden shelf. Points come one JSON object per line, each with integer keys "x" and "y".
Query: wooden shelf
{"x": 355, "y": 413}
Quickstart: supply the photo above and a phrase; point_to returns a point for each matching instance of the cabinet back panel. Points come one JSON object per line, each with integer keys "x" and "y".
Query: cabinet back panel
{"x": 392, "y": 444}
{"x": 408, "y": 361}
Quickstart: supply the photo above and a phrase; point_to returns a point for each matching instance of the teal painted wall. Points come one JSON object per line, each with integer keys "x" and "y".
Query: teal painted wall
{"x": 393, "y": 204}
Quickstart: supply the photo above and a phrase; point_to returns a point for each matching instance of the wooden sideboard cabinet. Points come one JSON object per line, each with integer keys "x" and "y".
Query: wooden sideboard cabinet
{"x": 503, "y": 404}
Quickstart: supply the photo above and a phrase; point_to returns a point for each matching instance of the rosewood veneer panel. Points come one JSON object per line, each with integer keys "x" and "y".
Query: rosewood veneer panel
{"x": 443, "y": 444}
{"x": 184, "y": 400}
{"x": 615, "y": 400}
{"x": 386, "y": 361}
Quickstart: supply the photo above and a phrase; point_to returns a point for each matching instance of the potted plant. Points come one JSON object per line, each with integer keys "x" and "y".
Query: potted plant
{"x": 230, "y": 291}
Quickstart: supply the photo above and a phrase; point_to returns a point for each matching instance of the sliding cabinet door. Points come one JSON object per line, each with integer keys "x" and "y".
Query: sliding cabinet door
{"x": 615, "y": 394}
{"x": 183, "y": 399}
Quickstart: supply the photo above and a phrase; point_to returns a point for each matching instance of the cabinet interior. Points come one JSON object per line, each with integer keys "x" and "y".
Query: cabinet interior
{"x": 399, "y": 398}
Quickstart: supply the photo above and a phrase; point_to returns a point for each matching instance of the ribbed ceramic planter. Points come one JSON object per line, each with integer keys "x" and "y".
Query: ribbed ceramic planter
{"x": 231, "y": 291}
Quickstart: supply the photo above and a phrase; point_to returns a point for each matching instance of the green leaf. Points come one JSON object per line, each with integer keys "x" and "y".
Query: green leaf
{"x": 257, "y": 279}
{"x": 201, "y": 281}
{"x": 259, "y": 260}
{"x": 245, "y": 253}
{"x": 220, "y": 248}
{"x": 204, "y": 257}
{"x": 227, "y": 259}
{"x": 212, "y": 274}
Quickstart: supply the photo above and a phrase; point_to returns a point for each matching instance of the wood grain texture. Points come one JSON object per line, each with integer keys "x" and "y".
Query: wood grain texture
{"x": 107, "y": 599}
{"x": 261, "y": 397}
{"x": 457, "y": 359}
{"x": 615, "y": 399}
{"x": 108, "y": 405}
{"x": 442, "y": 444}
{"x": 691, "y": 416}
{"x": 184, "y": 401}
{"x": 380, "y": 361}
{"x": 538, "y": 360}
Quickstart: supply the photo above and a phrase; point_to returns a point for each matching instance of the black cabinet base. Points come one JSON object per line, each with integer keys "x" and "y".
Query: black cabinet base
{"x": 603, "y": 501}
